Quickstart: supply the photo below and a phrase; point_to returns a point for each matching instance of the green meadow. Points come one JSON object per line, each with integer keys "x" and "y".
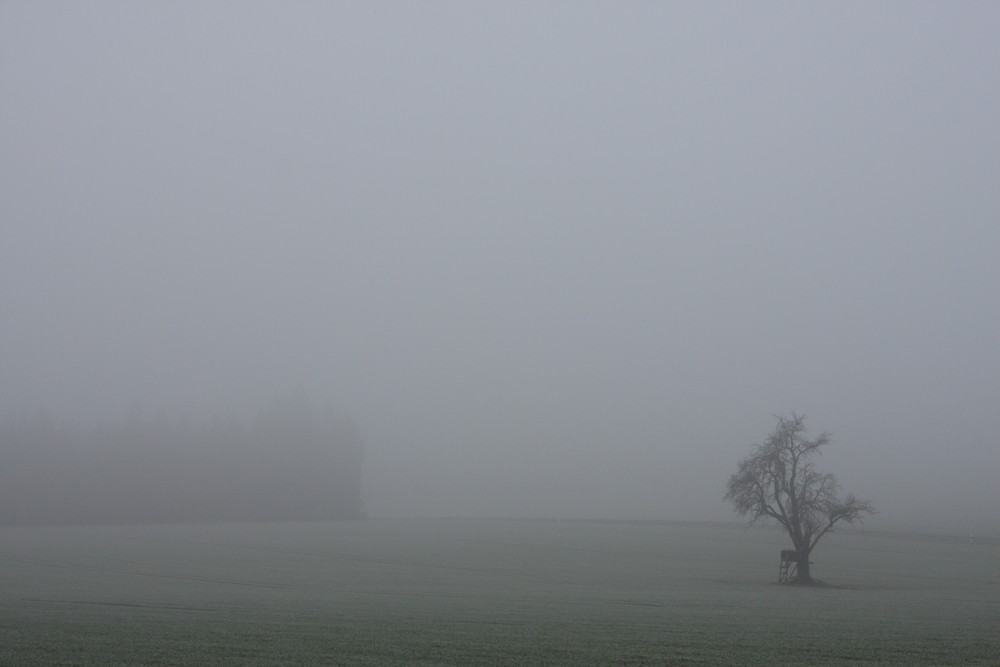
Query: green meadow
{"x": 487, "y": 592}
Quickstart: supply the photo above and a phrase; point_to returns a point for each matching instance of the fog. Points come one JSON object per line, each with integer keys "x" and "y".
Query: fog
{"x": 552, "y": 259}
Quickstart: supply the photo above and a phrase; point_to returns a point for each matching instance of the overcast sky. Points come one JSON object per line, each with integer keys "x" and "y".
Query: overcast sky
{"x": 554, "y": 258}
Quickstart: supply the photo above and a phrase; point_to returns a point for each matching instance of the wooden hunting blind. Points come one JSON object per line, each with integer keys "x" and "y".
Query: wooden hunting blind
{"x": 789, "y": 565}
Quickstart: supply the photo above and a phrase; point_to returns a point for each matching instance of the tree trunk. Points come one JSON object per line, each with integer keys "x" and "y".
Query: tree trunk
{"x": 803, "y": 576}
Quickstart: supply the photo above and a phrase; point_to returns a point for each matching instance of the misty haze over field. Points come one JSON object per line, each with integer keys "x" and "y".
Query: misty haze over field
{"x": 552, "y": 259}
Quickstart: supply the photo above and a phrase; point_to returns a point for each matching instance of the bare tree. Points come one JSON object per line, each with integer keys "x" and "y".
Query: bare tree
{"x": 778, "y": 481}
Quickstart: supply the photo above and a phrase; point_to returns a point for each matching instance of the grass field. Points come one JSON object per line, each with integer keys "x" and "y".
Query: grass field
{"x": 486, "y": 592}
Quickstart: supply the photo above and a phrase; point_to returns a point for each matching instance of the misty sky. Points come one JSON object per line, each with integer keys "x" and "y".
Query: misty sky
{"x": 558, "y": 259}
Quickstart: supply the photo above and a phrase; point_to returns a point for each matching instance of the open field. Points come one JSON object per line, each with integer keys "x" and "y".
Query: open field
{"x": 489, "y": 592}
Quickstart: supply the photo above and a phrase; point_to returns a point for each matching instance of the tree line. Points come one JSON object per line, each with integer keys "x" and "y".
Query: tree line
{"x": 288, "y": 463}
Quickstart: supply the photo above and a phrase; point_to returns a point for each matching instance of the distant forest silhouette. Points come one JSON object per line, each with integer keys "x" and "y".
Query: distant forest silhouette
{"x": 289, "y": 463}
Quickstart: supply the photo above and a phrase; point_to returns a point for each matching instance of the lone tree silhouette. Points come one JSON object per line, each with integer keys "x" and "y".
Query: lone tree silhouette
{"x": 778, "y": 481}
